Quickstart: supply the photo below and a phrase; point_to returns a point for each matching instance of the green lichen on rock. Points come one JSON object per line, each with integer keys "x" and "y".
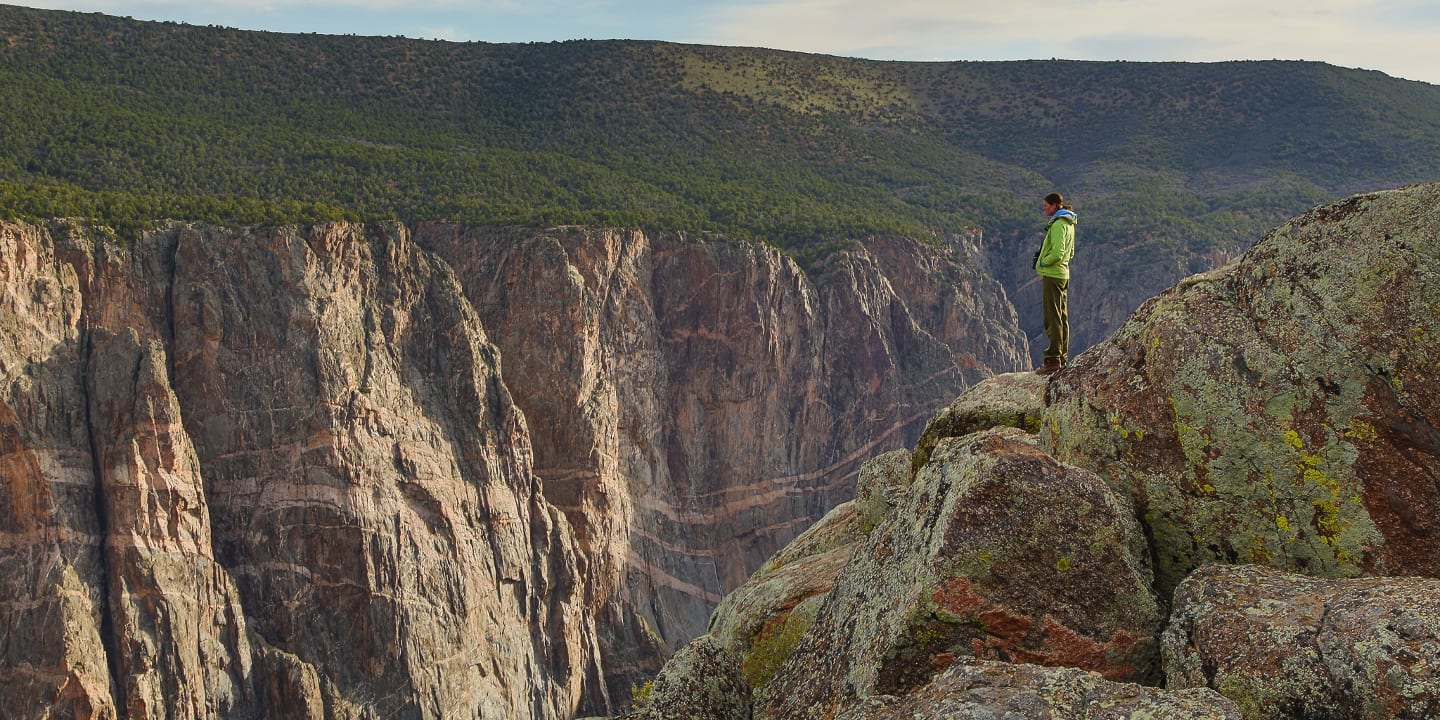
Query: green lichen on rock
{"x": 1274, "y": 410}
{"x": 774, "y": 643}
{"x": 640, "y": 694}
{"x": 1285, "y": 645}
{"x": 1011, "y": 400}
{"x": 883, "y": 481}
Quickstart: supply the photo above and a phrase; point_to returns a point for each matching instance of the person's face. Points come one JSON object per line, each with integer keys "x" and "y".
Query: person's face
{"x": 1049, "y": 208}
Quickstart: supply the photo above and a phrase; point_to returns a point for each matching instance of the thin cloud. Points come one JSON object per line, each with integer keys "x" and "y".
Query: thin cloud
{"x": 1353, "y": 33}
{"x": 1407, "y": 13}
{"x": 1394, "y": 36}
{"x": 1132, "y": 47}
{"x": 176, "y": 7}
{"x": 450, "y": 33}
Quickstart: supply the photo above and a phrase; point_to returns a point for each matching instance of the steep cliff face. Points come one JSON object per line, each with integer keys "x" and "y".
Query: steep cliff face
{"x": 270, "y": 475}
{"x": 53, "y": 564}
{"x": 695, "y": 404}
{"x": 282, "y": 473}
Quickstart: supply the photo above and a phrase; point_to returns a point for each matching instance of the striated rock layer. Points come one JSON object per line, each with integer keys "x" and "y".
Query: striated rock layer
{"x": 282, "y": 473}
{"x": 695, "y": 404}
{"x": 269, "y": 475}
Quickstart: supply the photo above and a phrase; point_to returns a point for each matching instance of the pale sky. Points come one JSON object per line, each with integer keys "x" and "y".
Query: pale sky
{"x": 1397, "y": 37}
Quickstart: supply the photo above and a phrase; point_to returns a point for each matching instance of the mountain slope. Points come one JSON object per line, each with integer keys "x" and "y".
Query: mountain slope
{"x": 1173, "y": 166}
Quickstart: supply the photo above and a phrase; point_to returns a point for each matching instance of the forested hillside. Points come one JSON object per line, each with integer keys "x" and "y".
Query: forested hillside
{"x": 1173, "y": 166}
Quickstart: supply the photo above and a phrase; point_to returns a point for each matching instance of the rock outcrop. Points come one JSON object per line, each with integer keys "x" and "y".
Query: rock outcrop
{"x": 1013, "y": 400}
{"x": 997, "y": 552}
{"x": 1282, "y": 410}
{"x": 1288, "y": 646}
{"x": 694, "y": 404}
{"x": 1276, "y": 411}
{"x": 990, "y": 552}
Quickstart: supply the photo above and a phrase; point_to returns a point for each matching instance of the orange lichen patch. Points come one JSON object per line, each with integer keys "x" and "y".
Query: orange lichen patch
{"x": 1014, "y": 637}
{"x": 1065, "y": 647}
{"x": 1007, "y": 448}
{"x": 958, "y": 597}
{"x": 1005, "y": 637}
{"x": 1005, "y": 626}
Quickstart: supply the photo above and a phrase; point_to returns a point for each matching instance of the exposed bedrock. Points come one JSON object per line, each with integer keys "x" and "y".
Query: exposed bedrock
{"x": 694, "y": 403}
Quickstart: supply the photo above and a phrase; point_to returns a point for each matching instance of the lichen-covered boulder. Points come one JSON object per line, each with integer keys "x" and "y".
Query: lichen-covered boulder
{"x": 1282, "y": 410}
{"x": 997, "y": 551}
{"x": 1010, "y": 400}
{"x": 1286, "y": 646}
{"x": 700, "y": 682}
{"x": 884, "y": 481}
{"x": 984, "y": 689}
{"x": 762, "y": 620}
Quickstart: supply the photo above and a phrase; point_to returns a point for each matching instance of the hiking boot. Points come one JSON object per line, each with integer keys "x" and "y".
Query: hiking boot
{"x": 1051, "y": 366}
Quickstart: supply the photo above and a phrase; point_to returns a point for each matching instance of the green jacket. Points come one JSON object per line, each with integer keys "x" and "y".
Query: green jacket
{"x": 1059, "y": 246}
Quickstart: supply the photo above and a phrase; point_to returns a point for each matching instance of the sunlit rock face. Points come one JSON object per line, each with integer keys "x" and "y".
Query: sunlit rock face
{"x": 270, "y": 474}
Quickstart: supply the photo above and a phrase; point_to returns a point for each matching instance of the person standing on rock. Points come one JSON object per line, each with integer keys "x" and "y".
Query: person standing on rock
{"x": 1052, "y": 264}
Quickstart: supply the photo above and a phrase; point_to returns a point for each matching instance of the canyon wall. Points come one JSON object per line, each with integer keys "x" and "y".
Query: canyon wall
{"x": 270, "y": 474}
{"x": 353, "y": 471}
{"x": 695, "y": 404}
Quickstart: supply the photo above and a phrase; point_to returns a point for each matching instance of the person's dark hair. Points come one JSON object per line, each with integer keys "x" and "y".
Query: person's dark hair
{"x": 1057, "y": 199}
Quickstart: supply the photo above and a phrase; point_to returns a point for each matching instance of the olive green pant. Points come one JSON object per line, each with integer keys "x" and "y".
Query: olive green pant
{"x": 1057, "y": 317}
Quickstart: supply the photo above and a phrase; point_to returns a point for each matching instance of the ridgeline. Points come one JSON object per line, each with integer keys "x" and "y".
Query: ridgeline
{"x": 129, "y": 121}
